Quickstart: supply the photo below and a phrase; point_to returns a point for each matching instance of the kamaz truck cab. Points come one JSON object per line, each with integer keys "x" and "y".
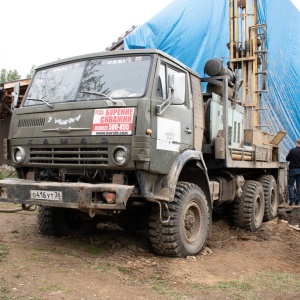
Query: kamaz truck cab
{"x": 107, "y": 133}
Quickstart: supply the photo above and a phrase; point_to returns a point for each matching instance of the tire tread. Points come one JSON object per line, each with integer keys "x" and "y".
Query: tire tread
{"x": 165, "y": 238}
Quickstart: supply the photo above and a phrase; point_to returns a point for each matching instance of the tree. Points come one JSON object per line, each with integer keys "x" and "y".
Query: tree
{"x": 9, "y": 75}
{"x": 29, "y": 76}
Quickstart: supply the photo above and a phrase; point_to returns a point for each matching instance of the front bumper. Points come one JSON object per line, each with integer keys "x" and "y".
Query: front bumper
{"x": 74, "y": 195}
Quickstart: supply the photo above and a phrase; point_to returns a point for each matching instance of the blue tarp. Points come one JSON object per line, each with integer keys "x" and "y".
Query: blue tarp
{"x": 194, "y": 31}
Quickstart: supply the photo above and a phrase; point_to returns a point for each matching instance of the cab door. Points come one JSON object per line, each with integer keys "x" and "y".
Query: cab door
{"x": 172, "y": 125}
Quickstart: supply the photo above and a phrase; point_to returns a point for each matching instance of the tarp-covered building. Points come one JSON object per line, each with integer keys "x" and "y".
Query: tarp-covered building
{"x": 193, "y": 31}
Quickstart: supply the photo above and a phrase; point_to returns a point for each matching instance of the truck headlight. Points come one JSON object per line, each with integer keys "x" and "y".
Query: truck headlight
{"x": 18, "y": 155}
{"x": 120, "y": 155}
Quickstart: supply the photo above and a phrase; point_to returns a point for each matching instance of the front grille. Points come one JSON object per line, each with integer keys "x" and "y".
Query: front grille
{"x": 39, "y": 122}
{"x": 69, "y": 156}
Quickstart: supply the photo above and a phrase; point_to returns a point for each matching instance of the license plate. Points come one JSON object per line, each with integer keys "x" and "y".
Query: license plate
{"x": 45, "y": 195}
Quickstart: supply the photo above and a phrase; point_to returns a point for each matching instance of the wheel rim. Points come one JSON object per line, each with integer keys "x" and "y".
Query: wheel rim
{"x": 192, "y": 222}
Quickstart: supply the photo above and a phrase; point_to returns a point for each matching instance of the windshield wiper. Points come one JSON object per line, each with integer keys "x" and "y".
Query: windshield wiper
{"x": 42, "y": 100}
{"x": 99, "y": 94}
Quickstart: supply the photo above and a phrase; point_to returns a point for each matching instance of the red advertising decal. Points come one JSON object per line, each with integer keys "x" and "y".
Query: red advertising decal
{"x": 113, "y": 121}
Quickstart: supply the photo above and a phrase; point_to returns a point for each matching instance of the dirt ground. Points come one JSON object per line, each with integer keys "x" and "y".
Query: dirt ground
{"x": 113, "y": 264}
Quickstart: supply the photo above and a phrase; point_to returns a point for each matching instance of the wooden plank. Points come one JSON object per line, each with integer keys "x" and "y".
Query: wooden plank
{"x": 11, "y": 84}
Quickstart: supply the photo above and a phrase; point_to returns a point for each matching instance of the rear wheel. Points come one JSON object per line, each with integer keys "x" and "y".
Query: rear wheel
{"x": 60, "y": 221}
{"x": 271, "y": 196}
{"x": 185, "y": 233}
{"x": 248, "y": 210}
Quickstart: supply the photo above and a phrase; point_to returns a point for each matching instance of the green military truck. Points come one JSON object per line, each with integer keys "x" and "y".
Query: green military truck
{"x": 130, "y": 135}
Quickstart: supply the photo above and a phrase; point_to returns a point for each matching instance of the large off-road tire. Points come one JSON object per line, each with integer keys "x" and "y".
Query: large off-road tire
{"x": 248, "y": 210}
{"x": 185, "y": 233}
{"x": 59, "y": 221}
{"x": 271, "y": 196}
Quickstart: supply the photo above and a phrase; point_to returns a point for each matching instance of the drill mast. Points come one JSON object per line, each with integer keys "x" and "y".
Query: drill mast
{"x": 248, "y": 57}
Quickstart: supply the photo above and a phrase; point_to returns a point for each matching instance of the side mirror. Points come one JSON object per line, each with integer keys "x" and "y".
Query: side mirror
{"x": 177, "y": 85}
{"x": 16, "y": 94}
{"x": 176, "y": 92}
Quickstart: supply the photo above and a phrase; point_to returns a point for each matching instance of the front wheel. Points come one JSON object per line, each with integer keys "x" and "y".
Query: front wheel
{"x": 248, "y": 210}
{"x": 185, "y": 233}
{"x": 58, "y": 221}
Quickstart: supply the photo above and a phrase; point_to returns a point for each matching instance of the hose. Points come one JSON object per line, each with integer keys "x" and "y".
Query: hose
{"x": 10, "y": 210}
{"x": 13, "y": 210}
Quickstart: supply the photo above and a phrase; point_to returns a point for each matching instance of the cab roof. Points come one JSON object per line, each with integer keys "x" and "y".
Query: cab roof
{"x": 116, "y": 53}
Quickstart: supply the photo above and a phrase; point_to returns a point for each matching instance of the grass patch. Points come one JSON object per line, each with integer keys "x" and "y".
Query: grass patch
{"x": 54, "y": 288}
{"x": 252, "y": 288}
{"x": 3, "y": 253}
{"x": 196, "y": 286}
{"x": 282, "y": 282}
{"x": 163, "y": 288}
{"x": 102, "y": 268}
{"x": 4, "y": 294}
{"x": 39, "y": 249}
{"x": 122, "y": 270}
{"x": 95, "y": 250}
{"x": 3, "y": 291}
{"x": 33, "y": 257}
{"x": 233, "y": 285}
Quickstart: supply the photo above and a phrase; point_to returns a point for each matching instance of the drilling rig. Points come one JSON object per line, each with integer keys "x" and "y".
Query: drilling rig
{"x": 130, "y": 135}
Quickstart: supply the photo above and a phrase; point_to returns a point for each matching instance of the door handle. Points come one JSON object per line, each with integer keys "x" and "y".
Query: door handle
{"x": 187, "y": 130}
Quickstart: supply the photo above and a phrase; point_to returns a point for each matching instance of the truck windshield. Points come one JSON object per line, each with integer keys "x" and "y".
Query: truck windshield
{"x": 103, "y": 78}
